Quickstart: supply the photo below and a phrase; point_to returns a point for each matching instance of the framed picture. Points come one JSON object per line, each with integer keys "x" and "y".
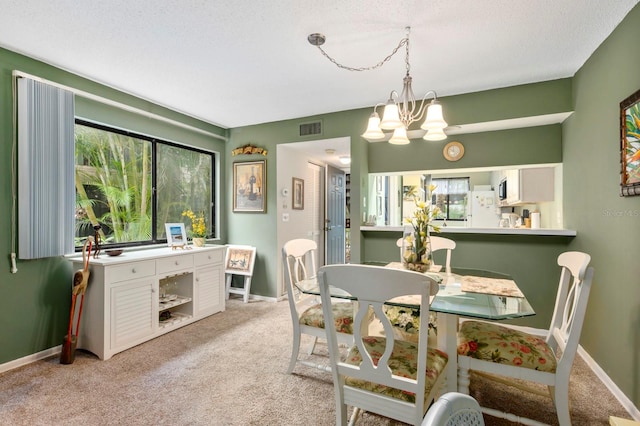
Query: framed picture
{"x": 176, "y": 234}
{"x": 298, "y": 194}
{"x": 240, "y": 260}
{"x": 630, "y": 145}
{"x": 249, "y": 186}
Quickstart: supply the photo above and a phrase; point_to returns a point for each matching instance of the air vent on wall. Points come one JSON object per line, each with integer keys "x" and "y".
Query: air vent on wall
{"x": 313, "y": 128}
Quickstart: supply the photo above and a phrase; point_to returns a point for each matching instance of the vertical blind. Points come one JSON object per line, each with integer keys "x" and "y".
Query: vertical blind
{"x": 46, "y": 191}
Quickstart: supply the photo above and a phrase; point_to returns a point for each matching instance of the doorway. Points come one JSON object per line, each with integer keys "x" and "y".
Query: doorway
{"x": 308, "y": 161}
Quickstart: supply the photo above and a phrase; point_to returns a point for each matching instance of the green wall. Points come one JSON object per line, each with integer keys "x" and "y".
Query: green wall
{"x": 607, "y": 224}
{"x": 35, "y": 302}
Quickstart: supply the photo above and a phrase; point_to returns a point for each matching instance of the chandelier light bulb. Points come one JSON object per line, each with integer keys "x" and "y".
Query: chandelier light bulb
{"x": 434, "y": 135}
{"x": 434, "y": 119}
{"x": 391, "y": 117}
{"x": 373, "y": 131}
{"x": 399, "y": 137}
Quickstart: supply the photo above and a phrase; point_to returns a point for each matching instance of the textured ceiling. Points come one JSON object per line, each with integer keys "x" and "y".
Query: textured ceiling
{"x": 242, "y": 62}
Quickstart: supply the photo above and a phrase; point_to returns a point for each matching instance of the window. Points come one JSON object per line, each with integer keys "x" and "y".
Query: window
{"x": 131, "y": 185}
{"x": 449, "y": 196}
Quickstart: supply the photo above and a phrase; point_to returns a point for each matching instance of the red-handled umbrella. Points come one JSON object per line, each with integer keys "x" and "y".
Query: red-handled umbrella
{"x": 80, "y": 281}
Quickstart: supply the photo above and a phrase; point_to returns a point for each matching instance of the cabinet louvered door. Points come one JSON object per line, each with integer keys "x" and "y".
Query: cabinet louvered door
{"x": 134, "y": 313}
{"x": 210, "y": 290}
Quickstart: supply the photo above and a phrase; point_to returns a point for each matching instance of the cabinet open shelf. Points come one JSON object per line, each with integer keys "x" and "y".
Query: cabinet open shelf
{"x": 163, "y": 306}
{"x": 176, "y": 317}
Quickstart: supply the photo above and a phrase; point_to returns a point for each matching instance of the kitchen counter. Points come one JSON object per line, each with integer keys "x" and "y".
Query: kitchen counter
{"x": 493, "y": 231}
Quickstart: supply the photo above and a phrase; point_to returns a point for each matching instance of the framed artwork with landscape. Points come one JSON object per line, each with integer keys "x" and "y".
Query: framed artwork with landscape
{"x": 176, "y": 234}
{"x": 249, "y": 186}
{"x": 630, "y": 145}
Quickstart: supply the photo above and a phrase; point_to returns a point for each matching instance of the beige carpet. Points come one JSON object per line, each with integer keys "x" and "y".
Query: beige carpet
{"x": 228, "y": 369}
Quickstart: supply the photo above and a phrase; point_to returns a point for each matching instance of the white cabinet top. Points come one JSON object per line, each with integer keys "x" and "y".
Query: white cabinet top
{"x": 136, "y": 254}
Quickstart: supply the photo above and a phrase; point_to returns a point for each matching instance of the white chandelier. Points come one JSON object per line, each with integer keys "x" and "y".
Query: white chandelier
{"x": 400, "y": 111}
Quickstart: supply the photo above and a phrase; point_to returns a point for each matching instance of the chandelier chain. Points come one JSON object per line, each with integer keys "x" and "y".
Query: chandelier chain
{"x": 403, "y": 42}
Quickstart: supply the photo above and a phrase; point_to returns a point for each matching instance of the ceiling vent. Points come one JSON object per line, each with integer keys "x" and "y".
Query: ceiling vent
{"x": 311, "y": 129}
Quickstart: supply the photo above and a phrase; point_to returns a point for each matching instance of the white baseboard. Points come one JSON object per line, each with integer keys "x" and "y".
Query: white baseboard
{"x": 613, "y": 388}
{"x": 30, "y": 358}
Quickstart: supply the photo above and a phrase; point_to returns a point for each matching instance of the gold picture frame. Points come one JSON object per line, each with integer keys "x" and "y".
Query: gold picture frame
{"x": 249, "y": 186}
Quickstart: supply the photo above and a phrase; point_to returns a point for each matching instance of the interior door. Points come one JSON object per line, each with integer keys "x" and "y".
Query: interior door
{"x": 335, "y": 215}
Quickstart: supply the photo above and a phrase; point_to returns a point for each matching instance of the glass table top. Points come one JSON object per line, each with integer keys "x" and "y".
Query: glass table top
{"x": 451, "y": 299}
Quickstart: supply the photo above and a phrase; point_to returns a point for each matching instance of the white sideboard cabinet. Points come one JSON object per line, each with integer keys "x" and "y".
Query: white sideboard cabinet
{"x": 143, "y": 294}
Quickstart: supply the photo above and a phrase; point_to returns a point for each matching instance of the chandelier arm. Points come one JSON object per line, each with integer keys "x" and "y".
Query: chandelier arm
{"x": 404, "y": 41}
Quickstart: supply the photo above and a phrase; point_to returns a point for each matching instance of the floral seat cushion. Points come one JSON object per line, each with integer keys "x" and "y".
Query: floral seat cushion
{"x": 495, "y": 343}
{"x": 403, "y": 362}
{"x": 342, "y": 314}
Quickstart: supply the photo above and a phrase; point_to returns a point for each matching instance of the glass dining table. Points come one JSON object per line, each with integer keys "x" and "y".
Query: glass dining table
{"x": 464, "y": 292}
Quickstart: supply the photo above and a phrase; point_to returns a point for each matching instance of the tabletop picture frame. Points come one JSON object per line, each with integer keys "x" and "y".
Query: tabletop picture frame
{"x": 630, "y": 145}
{"x": 297, "y": 202}
{"x": 240, "y": 260}
{"x": 176, "y": 234}
{"x": 249, "y": 187}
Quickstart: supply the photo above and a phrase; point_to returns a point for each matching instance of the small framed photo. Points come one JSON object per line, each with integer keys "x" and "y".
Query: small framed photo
{"x": 240, "y": 260}
{"x": 176, "y": 234}
{"x": 298, "y": 194}
{"x": 249, "y": 186}
{"x": 630, "y": 145}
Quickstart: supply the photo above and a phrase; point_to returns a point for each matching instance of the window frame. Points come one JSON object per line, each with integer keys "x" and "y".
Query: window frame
{"x": 155, "y": 141}
{"x": 448, "y": 194}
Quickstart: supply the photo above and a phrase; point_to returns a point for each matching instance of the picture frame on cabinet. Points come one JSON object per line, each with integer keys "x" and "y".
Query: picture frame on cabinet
{"x": 298, "y": 194}
{"x": 176, "y": 234}
{"x": 630, "y": 145}
{"x": 249, "y": 186}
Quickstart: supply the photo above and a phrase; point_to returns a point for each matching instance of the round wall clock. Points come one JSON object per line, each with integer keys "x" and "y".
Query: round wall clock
{"x": 453, "y": 151}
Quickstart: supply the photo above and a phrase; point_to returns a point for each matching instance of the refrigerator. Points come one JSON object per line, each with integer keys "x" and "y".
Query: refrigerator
{"x": 482, "y": 209}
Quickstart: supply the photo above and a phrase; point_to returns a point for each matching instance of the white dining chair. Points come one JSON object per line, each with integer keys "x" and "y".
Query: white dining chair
{"x": 512, "y": 354}
{"x": 379, "y": 374}
{"x": 437, "y": 243}
{"x": 299, "y": 269}
{"x": 454, "y": 409}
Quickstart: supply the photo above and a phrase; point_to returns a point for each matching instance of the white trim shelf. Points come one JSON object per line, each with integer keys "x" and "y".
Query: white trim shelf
{"x": 490, "y": 231}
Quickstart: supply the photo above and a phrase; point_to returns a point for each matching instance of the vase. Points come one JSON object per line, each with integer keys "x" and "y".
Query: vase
{"x": 416, "y": 250}
{"x": 199, "y": 242}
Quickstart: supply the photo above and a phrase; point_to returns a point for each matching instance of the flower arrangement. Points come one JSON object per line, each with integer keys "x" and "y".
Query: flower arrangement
{"x": 416, "y": 244}
{"x": 198, "y": 224}
{"x": 407, "y": 321}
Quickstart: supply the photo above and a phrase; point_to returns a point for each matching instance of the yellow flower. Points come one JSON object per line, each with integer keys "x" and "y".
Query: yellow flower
{"x": 198, "y": 225}
{"x": 422, "y": 223}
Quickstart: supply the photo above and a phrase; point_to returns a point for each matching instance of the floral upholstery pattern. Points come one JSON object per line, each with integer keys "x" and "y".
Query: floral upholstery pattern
{"x": 407, "y": 321}
{"x": 342, "y": 314}
{"x": 403, "y": 362}
{"x": 495, "y": 343}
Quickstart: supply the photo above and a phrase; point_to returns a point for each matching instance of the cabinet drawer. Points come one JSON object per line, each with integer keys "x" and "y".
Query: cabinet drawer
{"x": 132, "y": 271}
{"x": 208, "y": 257}
{"x": 174, "y": 263}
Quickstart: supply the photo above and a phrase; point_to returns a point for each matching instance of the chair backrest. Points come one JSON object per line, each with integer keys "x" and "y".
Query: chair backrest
{"x": 454, "y": 409}
{"x": 298, "y": 264}
{"x": 437, "y": 243}
{"x": 371, "y": 287}
{"x": 441, "y": 243}
{"x": 570, "y": 307}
